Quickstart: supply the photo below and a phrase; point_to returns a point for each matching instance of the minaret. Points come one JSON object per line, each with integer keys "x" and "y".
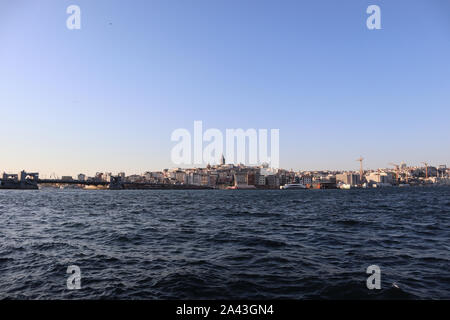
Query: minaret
{"x": 361, "y": 172}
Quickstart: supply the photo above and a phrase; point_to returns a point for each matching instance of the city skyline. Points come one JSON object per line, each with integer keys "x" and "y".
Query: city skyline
{"x": 229, "y": 176}
{"x": 108, "y": 96}
{"x": 391, "y": 167}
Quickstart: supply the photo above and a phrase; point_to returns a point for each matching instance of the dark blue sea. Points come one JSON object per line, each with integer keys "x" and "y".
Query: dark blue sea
{"x": 230, "y": 244}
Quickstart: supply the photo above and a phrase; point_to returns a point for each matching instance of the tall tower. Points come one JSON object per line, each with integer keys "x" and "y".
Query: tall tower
{"x": 426, "y": 169}
{"x": 360, "y": 169}
{"x": 222, "y": 160}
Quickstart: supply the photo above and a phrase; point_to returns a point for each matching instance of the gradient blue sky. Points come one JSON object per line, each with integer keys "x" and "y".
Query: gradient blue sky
{"x": 108, "y": 96}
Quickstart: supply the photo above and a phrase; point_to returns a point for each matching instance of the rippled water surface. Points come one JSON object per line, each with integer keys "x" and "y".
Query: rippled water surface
{"x": 206, "y": 244}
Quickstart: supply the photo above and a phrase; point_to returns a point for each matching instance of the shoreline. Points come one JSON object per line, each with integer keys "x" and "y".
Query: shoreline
{"x": 195, "y": 187}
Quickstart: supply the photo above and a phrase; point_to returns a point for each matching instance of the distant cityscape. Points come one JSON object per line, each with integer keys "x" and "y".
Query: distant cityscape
{"x": 231, "y": 176}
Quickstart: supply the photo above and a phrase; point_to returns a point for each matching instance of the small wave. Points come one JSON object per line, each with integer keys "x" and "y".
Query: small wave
{"x": 350, "y": 222}
{"x": 251, "y": 242}
{"x": 272, "y": 259}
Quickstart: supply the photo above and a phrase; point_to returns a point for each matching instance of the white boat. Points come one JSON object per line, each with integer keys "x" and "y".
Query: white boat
{"x": 293, "y": 186}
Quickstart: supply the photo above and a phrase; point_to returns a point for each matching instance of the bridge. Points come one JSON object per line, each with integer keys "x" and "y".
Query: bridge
{"x": 25, "y": 180}
{"x": 83, "y": 182}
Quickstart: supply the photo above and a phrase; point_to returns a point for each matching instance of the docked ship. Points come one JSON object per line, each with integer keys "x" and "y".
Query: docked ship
{"x": 293, "y": 186}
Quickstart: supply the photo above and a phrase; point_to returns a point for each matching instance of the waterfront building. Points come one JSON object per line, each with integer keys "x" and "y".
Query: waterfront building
{"x": 349, "y": 178}
{"x": 240, "y": 178}
{"x": 213, "y": 180}
{"x": 107, "y": 176}
{"x": 379, "y": 178}
{"x": 180, "y": 177}
{"x": 98, "y": 176}
{"x": 194, "y": 179}
{"x": 260, "y": 180}
{"x": 267, "y": 171}
{"x": 442, "y": 170}
{"x": 204, "y": 180}
{"x": 157, "y": 176}
{"x": 147, "y": 176}
{"x": 134, "y": 178}
{"x": 224, "y": 177}
{"x": 251, "y": 178}
{"x": 306, "y": 180}
{"x": 273, "y": 181}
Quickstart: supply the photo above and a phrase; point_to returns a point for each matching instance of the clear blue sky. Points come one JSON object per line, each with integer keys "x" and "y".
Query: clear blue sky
{"x": 108, "y": 96}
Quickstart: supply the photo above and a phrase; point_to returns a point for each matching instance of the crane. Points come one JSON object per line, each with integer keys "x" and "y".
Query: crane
{"x": 360, "y": 168}
{"x": 426, "y": 169}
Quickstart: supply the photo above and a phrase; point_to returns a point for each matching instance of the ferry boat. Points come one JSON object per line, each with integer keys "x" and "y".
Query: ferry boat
{"x": 293, "y": 186}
